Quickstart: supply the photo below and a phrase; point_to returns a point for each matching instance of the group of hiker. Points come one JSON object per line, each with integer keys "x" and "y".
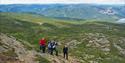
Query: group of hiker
{"x": 52, "y": 47}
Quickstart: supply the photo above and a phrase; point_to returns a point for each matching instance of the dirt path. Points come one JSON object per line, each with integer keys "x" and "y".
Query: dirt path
{"x": 59, "y": 59}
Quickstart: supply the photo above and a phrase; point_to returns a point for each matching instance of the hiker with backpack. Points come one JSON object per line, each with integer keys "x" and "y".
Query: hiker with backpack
{"x": 54, "y": 48}
{"x": 42, "y": 44}
{"x": 65, "y": 52}
{"x": 49, "y": 47}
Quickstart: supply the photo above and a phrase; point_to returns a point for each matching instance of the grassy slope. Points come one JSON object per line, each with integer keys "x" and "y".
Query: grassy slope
{"x": 26, "y": 27}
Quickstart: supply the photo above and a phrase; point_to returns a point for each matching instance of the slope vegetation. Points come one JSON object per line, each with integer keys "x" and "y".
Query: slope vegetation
{"x": 89, "y": 41}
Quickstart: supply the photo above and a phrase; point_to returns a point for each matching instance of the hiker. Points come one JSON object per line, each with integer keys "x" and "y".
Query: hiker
{"x": 54, "y": 48}
{"x": 43, "y": 45}
{"x": 65, "y": 52}
{"x": 49, "y": 46}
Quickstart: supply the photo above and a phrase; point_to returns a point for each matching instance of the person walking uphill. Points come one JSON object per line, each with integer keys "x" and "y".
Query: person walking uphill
{"x": 50, "y": 46}
{"x": 54, "y": 48}
{"x": 65, "y": 52}
{"x": 43, "y": 45}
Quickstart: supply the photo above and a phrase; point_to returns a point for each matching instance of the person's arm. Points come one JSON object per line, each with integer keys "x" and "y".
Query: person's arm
{"x": 56, "y": 43}
{"x": 67, "y": 49}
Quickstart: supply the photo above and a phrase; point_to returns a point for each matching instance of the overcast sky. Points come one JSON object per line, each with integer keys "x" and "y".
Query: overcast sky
{"x": 61, "y": 1}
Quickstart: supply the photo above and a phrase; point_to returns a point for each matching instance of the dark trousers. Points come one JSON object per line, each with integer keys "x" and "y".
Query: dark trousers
{"x": 65, "y": 55}
{"x": 49, "y": 50}
{"x": 43, "y": 48}
{"x": 54, "y": 49}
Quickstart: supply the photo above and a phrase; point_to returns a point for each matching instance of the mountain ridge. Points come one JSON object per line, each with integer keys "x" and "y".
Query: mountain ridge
{"x": 78, "y": 11}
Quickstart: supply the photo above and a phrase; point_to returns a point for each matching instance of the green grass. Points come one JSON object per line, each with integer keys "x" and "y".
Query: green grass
{"x": 41, "y": 59}
{"x": 26, "y": 27}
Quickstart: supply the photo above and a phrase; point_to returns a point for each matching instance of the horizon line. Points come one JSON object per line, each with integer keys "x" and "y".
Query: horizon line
{"x": 63, "y": 3}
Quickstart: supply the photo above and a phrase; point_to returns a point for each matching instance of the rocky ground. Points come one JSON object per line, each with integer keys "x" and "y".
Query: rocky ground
{"x": 13, "y": 51}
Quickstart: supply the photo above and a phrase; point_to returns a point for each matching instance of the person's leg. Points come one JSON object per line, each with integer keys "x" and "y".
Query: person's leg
{"x": 43, "y": 49}
{"x": 64, "y": 54}
{"x": 48, "y": 50}
{"x": 67, "y": 56}
{"x": 51, "y": 51}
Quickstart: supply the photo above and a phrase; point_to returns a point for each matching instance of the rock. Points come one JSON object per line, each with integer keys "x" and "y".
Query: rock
{"x": 122, "y": 51}
{"x": 2, "y": 49}
{"x": 73, "y": 43}
{"x": 87, "y": 56}
{"x": 105, "y": 49}
{"x": 88, "y": 45}
{"x": 93, "y": 62}
{"x": 98, "y": 40}
{"x": 40, "y": 23}
{"x": 103, "y": 41}
{"x": 22, "y": 54}
{"x": 18, "y": 23}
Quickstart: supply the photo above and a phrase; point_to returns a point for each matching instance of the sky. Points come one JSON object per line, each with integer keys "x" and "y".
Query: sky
{"x": 62, "y": 1}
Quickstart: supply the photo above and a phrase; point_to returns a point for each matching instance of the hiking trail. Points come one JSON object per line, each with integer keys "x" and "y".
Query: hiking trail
{"x": 59, "y": 58}
{"x": 23, "y": 55}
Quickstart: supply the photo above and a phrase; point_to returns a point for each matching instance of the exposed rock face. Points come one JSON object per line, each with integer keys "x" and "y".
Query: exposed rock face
{"x": 73, "y": 43}
{"x": 40, "y": 23}
{"x": 13, "y": 51}
{"x": 101, "y": 47}
{"x": 11, "y": 46}
{"x": 120, "y": 45}
{"x": 122, "y": 51}
{"x": 98, "y": 40}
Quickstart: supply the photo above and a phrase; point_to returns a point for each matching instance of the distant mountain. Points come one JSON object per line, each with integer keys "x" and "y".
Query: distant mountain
{"x": 67, "y": 11}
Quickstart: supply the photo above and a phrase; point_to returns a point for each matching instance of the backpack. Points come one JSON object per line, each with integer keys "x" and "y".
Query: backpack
{"x": 49, "y": 45}
{"x": 54, "y": 45}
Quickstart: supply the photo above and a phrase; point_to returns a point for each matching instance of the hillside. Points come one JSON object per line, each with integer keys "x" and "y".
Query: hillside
{"x": 89, "y": 41}
{"x": 68, "y": 11}
{"x": 12, "y": 51}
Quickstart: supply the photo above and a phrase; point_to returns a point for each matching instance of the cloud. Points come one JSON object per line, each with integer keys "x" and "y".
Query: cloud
{"x": 121, "y": 20}
{"x": 61, "y": 1}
